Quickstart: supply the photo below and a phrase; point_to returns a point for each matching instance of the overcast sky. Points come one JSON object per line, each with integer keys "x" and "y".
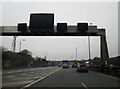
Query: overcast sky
{"x": 103, "y": 14}
{"x": 57, "y": 47}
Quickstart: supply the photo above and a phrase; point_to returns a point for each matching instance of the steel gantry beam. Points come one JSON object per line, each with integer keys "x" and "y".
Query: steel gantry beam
{"x": 71, "y": 31}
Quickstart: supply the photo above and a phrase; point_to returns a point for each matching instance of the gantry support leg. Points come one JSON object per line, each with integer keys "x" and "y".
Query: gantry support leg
{"x": 104, "y": 51}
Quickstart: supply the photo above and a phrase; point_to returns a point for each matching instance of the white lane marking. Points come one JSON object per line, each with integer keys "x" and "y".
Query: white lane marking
{"x": 10, "y": 76}
{"x": 84, "y": 85}
{"x": 16, "y": 83}
{"x": 44, "y": 74}
{"x": 24, "y": 70}
{"x": 23, "y": 74}
{"x": 32, "y": 72}
{"x": 26, "y": 78}
{"x": 30, "y": 75}
{"x": 108, "y": 76}
{"x": 30, "y": 84}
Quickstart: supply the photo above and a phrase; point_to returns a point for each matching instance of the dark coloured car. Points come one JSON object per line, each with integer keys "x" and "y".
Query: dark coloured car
{"x": 82, "y": 68}
{"x": 74, "y": 65}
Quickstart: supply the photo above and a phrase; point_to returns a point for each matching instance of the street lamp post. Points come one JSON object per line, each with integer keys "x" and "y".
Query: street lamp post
{"x": 89, "y": 50}
{"x": 89, "y": 47}
{"x": 21, "y": 44}
{"x": 76, "y": 53}
{"x": 46, "y": 55}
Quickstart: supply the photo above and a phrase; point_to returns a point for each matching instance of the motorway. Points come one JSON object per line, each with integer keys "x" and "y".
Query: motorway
{"x": 58, "y": 77}
{"x": 21, "y": 77}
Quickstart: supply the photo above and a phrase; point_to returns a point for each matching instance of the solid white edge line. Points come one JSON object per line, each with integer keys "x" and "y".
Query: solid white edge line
{"x": 30, "y": 84}
{"x": 108, "y": 76}
{"x": 84, "y": 85}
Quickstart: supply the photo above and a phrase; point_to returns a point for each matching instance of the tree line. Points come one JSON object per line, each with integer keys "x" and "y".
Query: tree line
{"x": 22, "y": 59}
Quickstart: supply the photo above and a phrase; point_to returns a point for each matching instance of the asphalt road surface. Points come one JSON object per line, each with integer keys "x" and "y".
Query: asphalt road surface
{"x": 21, "y": 77}
{"x": 58, "y": 77}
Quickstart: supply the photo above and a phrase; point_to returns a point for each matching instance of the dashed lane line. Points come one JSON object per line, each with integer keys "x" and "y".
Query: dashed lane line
{"x": 84, "y": 85}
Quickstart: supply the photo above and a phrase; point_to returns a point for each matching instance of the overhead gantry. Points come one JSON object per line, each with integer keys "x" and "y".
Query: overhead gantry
{"x": 42, "y": 24}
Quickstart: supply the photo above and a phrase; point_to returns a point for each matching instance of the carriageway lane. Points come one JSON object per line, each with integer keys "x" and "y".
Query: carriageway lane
{"x": 21, "y": 77}
{"x": 70, "y": 78}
